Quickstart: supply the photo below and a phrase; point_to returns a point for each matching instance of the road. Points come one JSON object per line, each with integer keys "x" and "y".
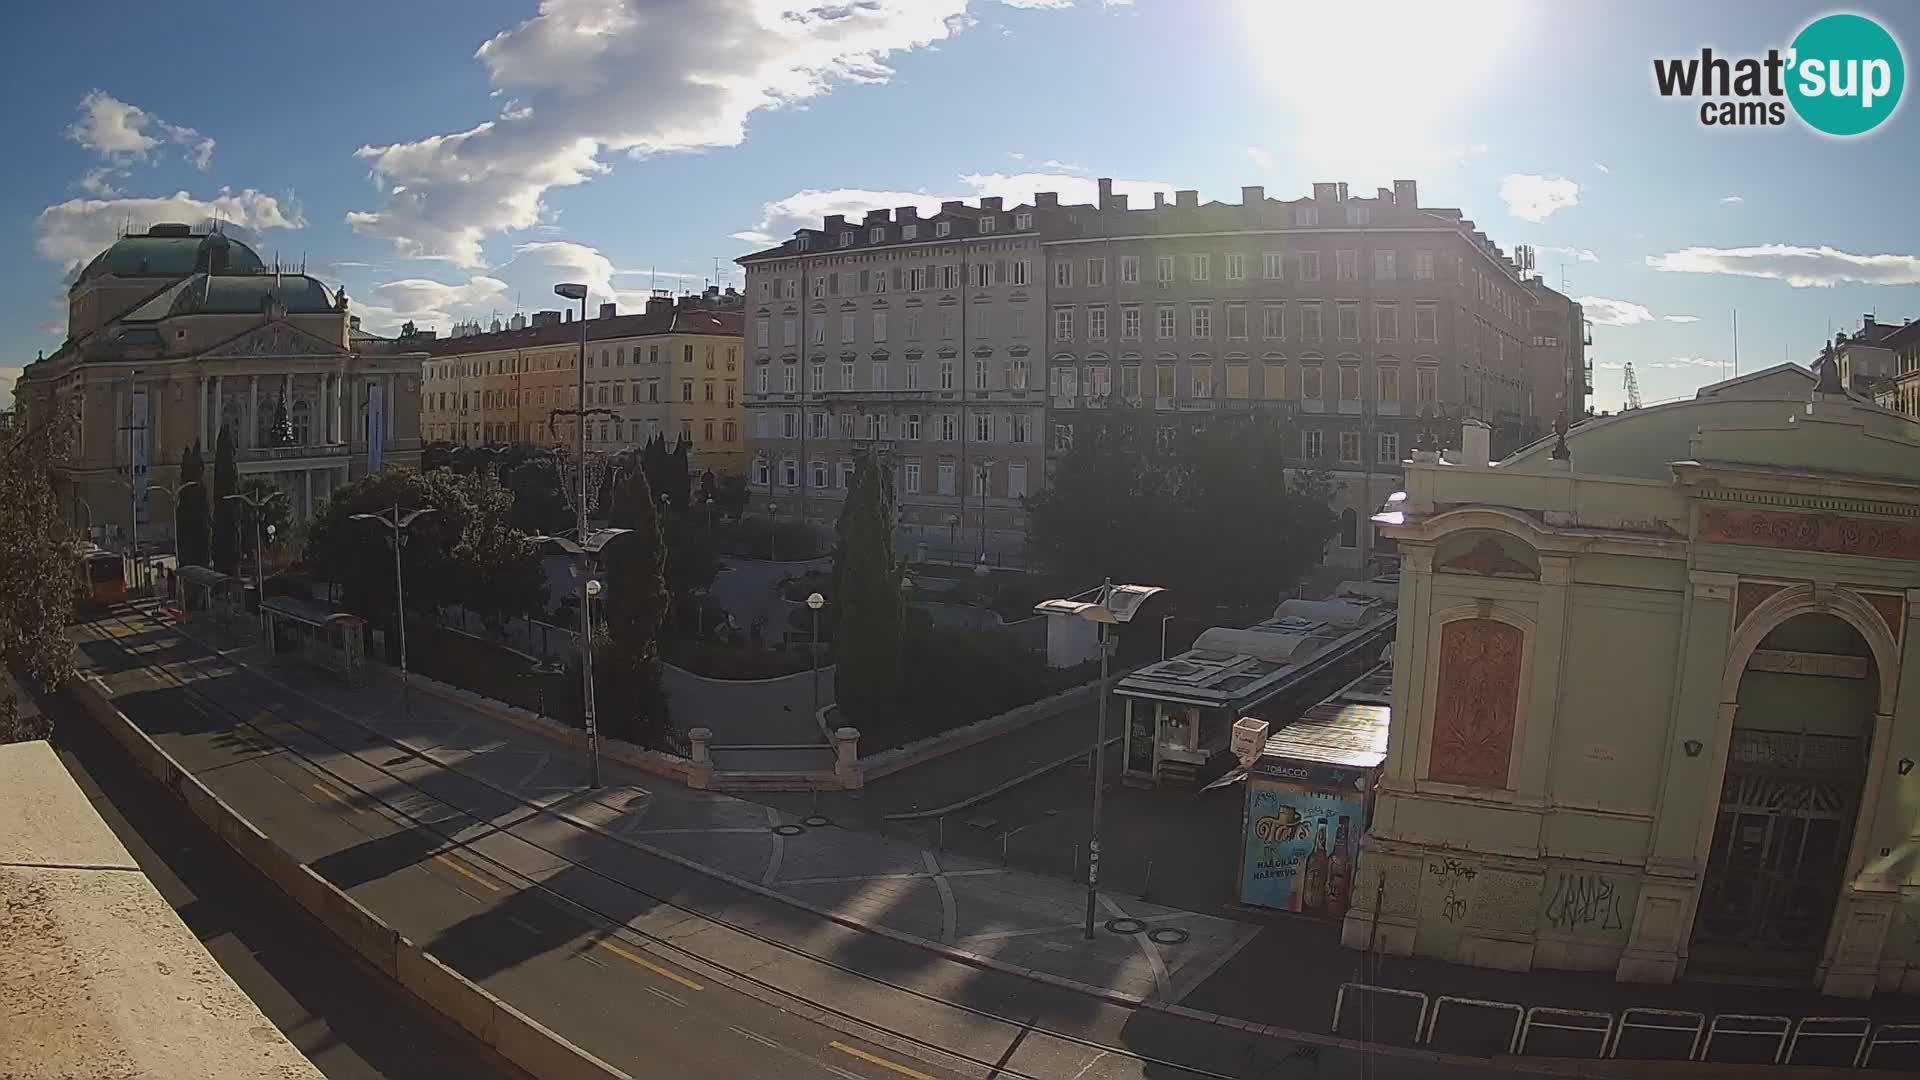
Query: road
{"x": 344, "y": 1016}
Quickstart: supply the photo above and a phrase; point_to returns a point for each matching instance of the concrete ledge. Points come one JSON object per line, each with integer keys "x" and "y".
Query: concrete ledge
{"x": 509, "y": 1032}
{"x": 933, "y": 747}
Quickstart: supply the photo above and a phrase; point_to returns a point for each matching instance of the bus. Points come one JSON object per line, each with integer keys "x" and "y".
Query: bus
{"x": 103, "y": 580}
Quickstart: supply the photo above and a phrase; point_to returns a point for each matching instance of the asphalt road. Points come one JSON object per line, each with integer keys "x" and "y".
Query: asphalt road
{"x": 344, "y": 1016}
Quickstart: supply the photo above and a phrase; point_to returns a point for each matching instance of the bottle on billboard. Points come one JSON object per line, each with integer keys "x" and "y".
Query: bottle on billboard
{"x": 1316, "y": 872}
{"x": 1340, "y": 872}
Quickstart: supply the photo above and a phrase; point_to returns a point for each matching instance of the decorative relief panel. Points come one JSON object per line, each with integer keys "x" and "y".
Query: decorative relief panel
{"x": 1752, "y": 595}
{"x": 1476, "y": 701}
{"x": 1839, "y": 534}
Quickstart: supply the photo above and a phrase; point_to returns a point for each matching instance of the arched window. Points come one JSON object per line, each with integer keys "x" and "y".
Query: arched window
{"x": 1349, "y": 528}
{"x": 302, "y": 423}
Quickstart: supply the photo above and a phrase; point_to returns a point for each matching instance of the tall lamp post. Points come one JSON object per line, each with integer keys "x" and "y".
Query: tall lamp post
{"x": 396, "y": 525}
{"x": 173, "y": 499}
{"x": 1113, "y": 606}
{"x": 571, "y": 290}
{"x": 257, "y": 502}
{"x": 814, "y": 603}
{"x": 589, "y": 588}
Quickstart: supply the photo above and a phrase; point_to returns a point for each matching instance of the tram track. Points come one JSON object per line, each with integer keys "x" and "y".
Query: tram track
{"x": 1018, "y": 1032}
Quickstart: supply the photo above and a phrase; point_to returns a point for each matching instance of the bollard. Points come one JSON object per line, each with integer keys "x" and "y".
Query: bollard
{"x": 699, "y": 738}
{"x": 846, "y": 756}
{"x": 1003, "y": 848}
{"x": 1146, "y": 887}
{"x": 940, "y": 843}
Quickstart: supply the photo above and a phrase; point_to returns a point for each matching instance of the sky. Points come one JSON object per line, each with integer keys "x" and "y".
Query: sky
{"x": 453, "y": 161}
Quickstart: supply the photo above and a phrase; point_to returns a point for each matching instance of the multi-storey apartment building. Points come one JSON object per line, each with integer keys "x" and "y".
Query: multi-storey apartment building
{"x": 174, "y": 335}
{"x": 919, "y": 337}
{"x": 673, "y": 370}
{"x": 1562, "y": 380}
{"x": 1343, "y": 318}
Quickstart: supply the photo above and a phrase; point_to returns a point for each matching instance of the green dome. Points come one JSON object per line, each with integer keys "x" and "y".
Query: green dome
{"x": 249, "y": 294}
{"x": 173, "y": 251}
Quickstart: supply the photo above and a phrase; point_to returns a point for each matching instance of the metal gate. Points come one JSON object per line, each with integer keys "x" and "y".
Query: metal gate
{"x": 1779, "y": 850}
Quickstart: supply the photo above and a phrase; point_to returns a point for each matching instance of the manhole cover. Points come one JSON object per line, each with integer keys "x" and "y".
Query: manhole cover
{"x": 816, "y": 820}
{"x": 787, "y": 830}
{"x": 1168, "y": 935}
{"x": 1125, "y": 926}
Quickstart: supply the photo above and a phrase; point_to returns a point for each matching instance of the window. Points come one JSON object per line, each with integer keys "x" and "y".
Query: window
{"x": 1310, "y": 445}
{"x": 1023, "y": 221}
{"x": 1275, "y": 266}
{"x": 686, "y": 386}
{"x": 1389, "y": 383}
{"x": 1203, "y": 381}
{"x": 846, "y": 328}
{"x": 982, "y": 275}
{"x": 880, "y": 281}
{"x": 790, "y": 425}
{"x": 819, "y": 286}
{"x": 878, "y": 372}
{"x": 1237, "y": 381}
{"x": 1096, "y": 273}
{"x": 1164, "y": 317}
{"x": 759, "y": 333}
{"x": 1306, "y": 215}
{"x": 1423, "y": 265}
{"x": 1426, "y": 322}
{"x": 1236, "y": 266}
{"x": 787, "y": 337}
{"x": 1129, "y": 269}
{"x": 1310, "y": 382}
{"x": 1310, "y": 322}
{"x": 762, "y": 472}
{"x": 946, "y": 375}
{"x": 1066, "y": 382}
{"x": 1062, "y": 274}
{"x": 911, "y": 474}
{"x": 1359, "y": 215}
{"x": 790, "y": 289}
{"x": 1098, "y": 382}
{"x": 910, "y": 429}
{"x": 1016, "y": 479}
{"x": 1130, "y": 382}
{"x": 1309, "y": 266}
{"x": 1349, "y": 327}
{"x": 1097, "y": 324}
{"x": 846, "y": 374}
{"x": 1273, "y": 324}
{"x": 1165, "y": 268}
{"x": 1063, "y": 324}
{"x": 1427, "y": 385}
{"x": 1019, "y": 327}
{"x": 909, "y": 232}
{"x": 1016, "y": 374}
{"x": 948, "y": 321}
{"x": 1349, "y": 383}
{"x": 946, "y": 478}
{"x": 1236, "y": 322}
{"x": 913, "y": 374}
{"x": 986, "y": 223}
{"x": 979, "y": 374}
{"x": 982, "y": 322}
{"x": 819, "y": 336}
{"x": 982, "y": 427}
{"x": 1383, "y": 265}
{"x": 1130, "y": 323}
{"x": 1199, "y": 267}
{"x": 759, "y": 378}
{"x": 1389, "y": 447}
{"x": 950, "y": 276}
{"x": 731, "y": 395}
{"x": 1017, "y": 271}
{"x": 1062, "y": 438}
{"x": 943, "y": 228}
{"x": 817, "y": 425}
{"x": 917, "y": 278}
{"x": 1349, "y": 446}
{"x": 1386, "y": 322}
{"x": 789, "y": 472}
{"x": 1202, "y": 317}
{"x": 879, "y": 326}
{"x": 1164, "y": 381}
{"x": 913, "y": 326}
{"x": 1346, "y": 265}
{"x": 766, "y": 289}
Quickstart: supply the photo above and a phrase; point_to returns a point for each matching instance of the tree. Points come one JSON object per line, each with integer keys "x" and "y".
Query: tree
{"x": 281, "y": 433}
{"x": 655, "y": 461}
{"x": 693, "y": 561}
{"x": 38, "y": 582}
{"x": 636, "y": 599}
{"x": 679, "y": 475}
{"x": 226, "y": 512}
{"x": 730, "y": 496}
{"x": 866, "y": 600}
{"x": 272, "y": 518}
{"x": 194, "y": 544}
{"x": 538, "y": 506}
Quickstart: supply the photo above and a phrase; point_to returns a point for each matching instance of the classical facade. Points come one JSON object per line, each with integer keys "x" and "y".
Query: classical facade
{"x": 1341, "y": 317}
{"x": 1650, "y": 713}
{"x": 173, "y": 335}
{"x": 917, "y": 337}
{"x": 673, "y": 371}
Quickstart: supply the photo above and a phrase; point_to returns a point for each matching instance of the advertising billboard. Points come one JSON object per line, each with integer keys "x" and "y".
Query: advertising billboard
{"x": 1301, "y": 843}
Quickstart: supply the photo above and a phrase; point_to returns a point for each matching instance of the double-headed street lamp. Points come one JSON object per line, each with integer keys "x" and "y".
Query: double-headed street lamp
{"x": 396, "y": 525}
{"x": 255, "y": 501}
{"x": 589, "y": 588}
{"x": 1112, "y": 606}
{"x": 814, "y": 603}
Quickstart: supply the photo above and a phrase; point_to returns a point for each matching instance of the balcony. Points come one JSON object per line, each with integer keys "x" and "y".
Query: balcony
{"x": 1163, "y": 404}
{"x": 292, "y": 453}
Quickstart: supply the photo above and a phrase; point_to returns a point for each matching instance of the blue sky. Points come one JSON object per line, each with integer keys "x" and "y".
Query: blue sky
{"x": 612, "y": 141}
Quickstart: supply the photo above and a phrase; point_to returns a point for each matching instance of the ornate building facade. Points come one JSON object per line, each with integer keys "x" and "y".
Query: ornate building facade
{"x": 1650, "y": 713}
{"x": 173, "y": 335}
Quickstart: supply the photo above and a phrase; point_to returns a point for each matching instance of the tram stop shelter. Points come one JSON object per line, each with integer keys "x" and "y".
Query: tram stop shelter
{"x": 301, "y": 631}
{"x": 206, "y": 593}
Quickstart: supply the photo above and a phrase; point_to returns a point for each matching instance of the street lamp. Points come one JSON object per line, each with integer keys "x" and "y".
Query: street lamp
{"x": 396, "y": 525}
{"x": 173, "y": 499}
{"x": 773, "y": 532}
{"x": 1114, "y": 606}
{"x": 594, "y": 544}
{"x": 257, "y": 502}
{"x": 814, "y": 603}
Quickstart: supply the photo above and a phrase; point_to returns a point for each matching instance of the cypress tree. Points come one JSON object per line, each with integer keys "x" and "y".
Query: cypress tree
{"x": 192, "y": 545}
{"x": 636, "y": 597}
{"x": 869, "y": 616}
{"x": 225, "y": 542}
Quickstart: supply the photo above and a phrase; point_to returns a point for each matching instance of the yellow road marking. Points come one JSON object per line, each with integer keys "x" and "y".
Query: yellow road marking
{"x": 629, "y": 954}
{"x": 332, "y": 794}
{"x": 876, "y": 1059}
{"x": 454, "y": 865}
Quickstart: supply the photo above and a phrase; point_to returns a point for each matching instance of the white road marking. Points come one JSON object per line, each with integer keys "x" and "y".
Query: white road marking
{"x": 664, "y": 996}
{"x": 755, "y": 1036}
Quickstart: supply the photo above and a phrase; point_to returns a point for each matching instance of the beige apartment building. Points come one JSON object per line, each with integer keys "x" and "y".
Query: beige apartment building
{"x": 672, "y": 371}
{"x": 173, "y": 335}
{"x": 1343, "y": 318}
{"x": 919, "y": 337}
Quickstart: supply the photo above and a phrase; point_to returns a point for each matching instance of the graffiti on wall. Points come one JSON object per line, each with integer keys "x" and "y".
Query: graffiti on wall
{"x": 1588, "y": 903}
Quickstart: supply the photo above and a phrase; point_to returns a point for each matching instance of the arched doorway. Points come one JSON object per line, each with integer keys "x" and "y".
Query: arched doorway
{"x": 1796, "y": 766}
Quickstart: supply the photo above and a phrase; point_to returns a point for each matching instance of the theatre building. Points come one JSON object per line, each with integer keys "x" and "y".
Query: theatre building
{"x": 1649, "y": 706}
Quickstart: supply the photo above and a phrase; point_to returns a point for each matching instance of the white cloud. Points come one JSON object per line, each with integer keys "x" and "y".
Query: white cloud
{"x": 1050, "y": 4}
{"x": 1260, "y": 157}
{"x": 806, "y": 208}
{"x": 120, "y": 132}
{"x": 1063, "y": 166}
{"x": 587, "y": 76}
{"x": 1601, "y": 167}
{"x": 1531, "y": 197}
{"x": 1799, "y": 267}
{"x": 1680, "y": 318}
{"x": 1016, "y": 157}
{"x": 1733, "y": 199}
{"x": 425, "y": 300}
{"x": 100, "y": 182}
{"x": 1577, "y": 254}
{"x": 1686, "y": 362}
{"x": 79, "y": 228}
{"x": 1603, "y": 311}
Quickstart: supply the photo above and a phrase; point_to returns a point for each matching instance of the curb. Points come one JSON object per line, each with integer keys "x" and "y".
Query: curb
{"x": 806, "y": 673}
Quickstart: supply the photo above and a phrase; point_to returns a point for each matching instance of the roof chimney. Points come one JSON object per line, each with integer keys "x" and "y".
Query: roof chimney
{"x": 1047, "y": 200}
{"x": 1119, "y": 202}
{"x": 835, "y": 222}
{"x": 1406, "y": 193}
{"x": 878, "y": 217}
{"x": 951, "y": 205}
{"x": 1187, "y": 198}
{"x": 1325, "y": 192}
{"x": 1159, "y": 200}
{"x": 1343, "y": 191}
{"x": 906, "y": 213}
{"x": 1106, "y": 191}
{"x": 991, "y": 202}
{"x": 660, "y": 303}
{"x": 607, "y": 310}
{"x": 1252, "y": 194}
